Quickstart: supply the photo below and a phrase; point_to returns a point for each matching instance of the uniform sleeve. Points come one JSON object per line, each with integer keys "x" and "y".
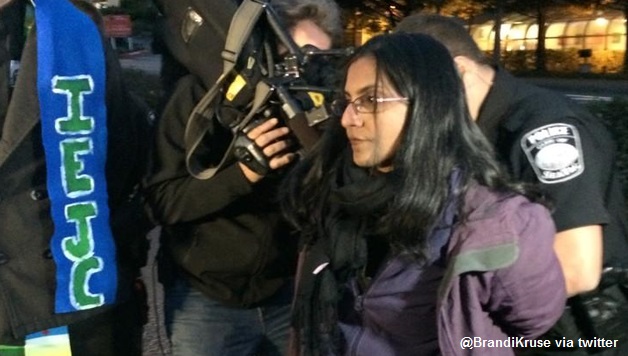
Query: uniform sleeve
{"x": 528, "y": 297}
{"x": 572, "y": 159}
{"x": 173, "y": 195}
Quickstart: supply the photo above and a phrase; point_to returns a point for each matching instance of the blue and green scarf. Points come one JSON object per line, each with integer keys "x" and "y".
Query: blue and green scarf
{"x": 71, "y": 86}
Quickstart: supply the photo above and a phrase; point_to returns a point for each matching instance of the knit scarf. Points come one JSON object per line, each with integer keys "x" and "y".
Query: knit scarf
{"x": 339, "y": 253}
{"x": 357, "y": 200}
{"x": 71, "y": 89}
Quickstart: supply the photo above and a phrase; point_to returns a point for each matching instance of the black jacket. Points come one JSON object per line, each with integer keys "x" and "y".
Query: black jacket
{"x": 224, "y": 234}
{"x": 27, "y": 270}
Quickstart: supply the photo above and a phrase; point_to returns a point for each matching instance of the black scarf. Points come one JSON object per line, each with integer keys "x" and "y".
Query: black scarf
{"x": 358, "y": 198}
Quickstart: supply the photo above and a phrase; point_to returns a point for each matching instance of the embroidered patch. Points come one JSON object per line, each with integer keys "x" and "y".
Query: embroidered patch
{"x": 555, "y": 152}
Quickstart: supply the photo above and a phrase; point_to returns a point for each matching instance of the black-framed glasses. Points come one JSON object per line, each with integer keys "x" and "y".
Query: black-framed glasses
{"x": 366, "y": 104}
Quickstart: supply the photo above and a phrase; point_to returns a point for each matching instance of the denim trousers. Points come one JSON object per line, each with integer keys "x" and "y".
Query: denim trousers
{"x": 199, "y": 326}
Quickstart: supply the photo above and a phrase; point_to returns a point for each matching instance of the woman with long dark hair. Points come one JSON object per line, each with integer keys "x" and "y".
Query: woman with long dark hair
{"x": 414, "y": 240}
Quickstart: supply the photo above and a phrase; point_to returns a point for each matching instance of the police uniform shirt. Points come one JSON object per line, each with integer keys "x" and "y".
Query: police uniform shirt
{"x": 543, "y": 138}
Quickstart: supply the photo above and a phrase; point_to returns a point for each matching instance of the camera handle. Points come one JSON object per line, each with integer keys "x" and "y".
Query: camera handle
{"x": 247, "y": 152}
{"x": 251, "y": 155}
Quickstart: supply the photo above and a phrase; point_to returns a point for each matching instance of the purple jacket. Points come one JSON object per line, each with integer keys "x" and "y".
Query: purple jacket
{"x": 502, "y": 279}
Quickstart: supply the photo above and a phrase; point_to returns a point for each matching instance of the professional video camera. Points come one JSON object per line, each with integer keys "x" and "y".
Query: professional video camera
{"x": 258, "y": 84}
{"x": 299, "y": 93}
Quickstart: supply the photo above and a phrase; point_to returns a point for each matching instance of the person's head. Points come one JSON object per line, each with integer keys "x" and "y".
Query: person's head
{"x": 313, "y": 22}
{"x": 474, "y": 66}
{"x": 398, "y": 85}
{"x": 405, "y": 105}
{"x": 447, "y": 30}
{"x": 406, "y": 114}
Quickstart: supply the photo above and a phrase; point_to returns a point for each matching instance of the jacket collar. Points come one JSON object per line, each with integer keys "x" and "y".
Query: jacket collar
{"x": 23, "y": 111}
{"x": 4, "y": 3}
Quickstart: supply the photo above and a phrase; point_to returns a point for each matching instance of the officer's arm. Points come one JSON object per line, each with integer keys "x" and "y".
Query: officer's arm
{"x": 579, "y": 251}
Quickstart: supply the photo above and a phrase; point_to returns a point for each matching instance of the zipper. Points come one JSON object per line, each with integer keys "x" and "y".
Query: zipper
{"x": 358, "y": 304}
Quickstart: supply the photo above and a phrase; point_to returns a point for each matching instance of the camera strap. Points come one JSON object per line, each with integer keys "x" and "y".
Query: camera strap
{"x": 200, "y": 120}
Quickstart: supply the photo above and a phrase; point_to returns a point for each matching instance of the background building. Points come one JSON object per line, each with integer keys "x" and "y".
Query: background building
{"x": 588, "y": 43}
{"x": 605, "y": 32}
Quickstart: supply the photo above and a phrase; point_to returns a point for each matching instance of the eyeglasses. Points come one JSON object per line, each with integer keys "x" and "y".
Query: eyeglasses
{"x": 366, "y": 104}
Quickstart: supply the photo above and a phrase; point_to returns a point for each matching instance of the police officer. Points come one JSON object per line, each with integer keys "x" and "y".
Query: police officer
{"x": 542, "y": 138}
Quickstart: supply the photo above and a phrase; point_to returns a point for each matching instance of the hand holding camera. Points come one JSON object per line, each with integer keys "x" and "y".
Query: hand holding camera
{"x": 257, "y": 83}
{"x": 268, "y": 145}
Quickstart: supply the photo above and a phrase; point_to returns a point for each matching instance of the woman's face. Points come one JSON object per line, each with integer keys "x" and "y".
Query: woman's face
{"x": 375, "y": 119}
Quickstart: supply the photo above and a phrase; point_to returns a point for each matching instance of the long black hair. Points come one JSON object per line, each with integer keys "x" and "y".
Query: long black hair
{"x": 438, "y": 138}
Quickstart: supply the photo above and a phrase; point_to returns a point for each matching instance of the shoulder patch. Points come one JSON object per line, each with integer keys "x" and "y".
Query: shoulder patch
{"x": 554, "y": 152}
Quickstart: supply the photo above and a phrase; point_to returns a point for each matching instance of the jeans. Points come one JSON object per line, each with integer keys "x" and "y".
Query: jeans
{"x": 199, "y": 326}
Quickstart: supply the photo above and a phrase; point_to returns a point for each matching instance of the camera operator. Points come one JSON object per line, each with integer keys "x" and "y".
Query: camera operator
{"x": 227, "y": 257}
